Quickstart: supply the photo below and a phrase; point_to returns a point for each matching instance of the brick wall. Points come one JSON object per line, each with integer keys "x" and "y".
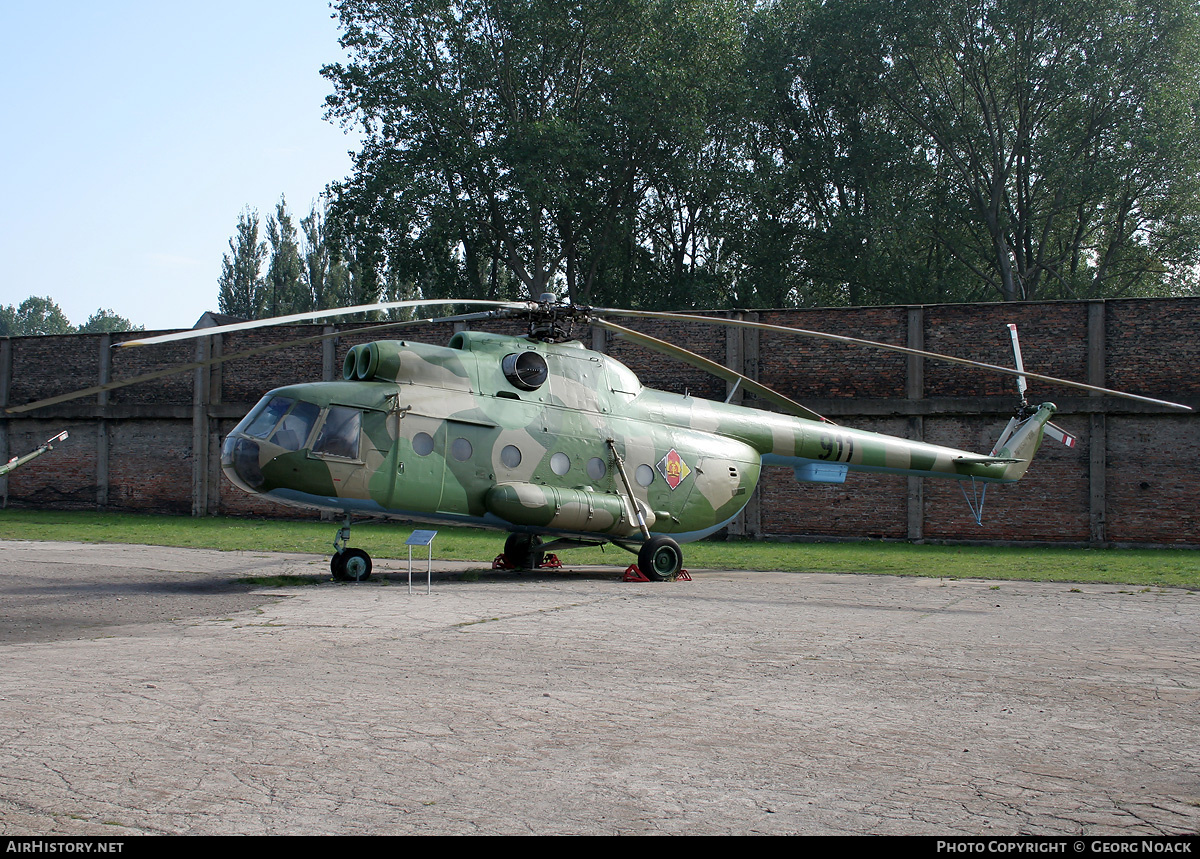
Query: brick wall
{"x": 1131, "y": 480}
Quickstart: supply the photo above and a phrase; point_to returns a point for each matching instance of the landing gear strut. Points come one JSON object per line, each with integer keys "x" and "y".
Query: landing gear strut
{"x": 348, "y": 565}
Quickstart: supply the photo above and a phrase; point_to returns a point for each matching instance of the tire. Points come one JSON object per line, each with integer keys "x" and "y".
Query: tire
{"x": 522, "y": 550}
{"x": 660, "y": 559}
{"x": 351, "y": 565}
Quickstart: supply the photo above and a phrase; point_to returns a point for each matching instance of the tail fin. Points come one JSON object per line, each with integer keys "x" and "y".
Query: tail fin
{"x": 1055, "y": 432}
{"x": 1014, "y": 451}
{"x": 1021, "y": 440}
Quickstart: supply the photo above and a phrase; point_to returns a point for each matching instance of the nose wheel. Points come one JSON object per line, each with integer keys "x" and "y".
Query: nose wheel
{"x": 348, "y": 565}
{"x": 351, "y": 565}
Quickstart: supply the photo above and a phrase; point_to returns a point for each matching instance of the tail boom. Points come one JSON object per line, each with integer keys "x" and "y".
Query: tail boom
{"x": 824, "y": 454}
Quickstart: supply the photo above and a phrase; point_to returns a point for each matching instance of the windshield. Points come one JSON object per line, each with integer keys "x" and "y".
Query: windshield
{"x": 281, "y": 420}
{"x": 264, "y": 416}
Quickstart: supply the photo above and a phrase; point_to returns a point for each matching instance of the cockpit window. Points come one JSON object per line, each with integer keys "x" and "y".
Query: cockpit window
{"x": 295, "y": 427}
{"x": 265, "y": 415}
{"x": 339, "y": 433}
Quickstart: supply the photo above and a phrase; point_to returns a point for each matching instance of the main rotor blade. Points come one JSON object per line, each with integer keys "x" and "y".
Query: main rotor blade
{"x": 193, "y": 333}
{"x": 221, "y": 359}
{"x": 720, "y": 371}
{"x": 873, "y": 344}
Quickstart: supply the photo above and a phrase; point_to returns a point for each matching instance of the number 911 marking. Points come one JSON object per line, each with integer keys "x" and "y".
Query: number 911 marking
{"x": 836, "y": 448}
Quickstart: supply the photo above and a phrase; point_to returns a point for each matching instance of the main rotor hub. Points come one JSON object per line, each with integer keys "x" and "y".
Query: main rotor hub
{"x": 552, "y": 322}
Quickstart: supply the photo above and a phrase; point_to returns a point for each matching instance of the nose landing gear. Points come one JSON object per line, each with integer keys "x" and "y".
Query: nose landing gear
{"x": 348, "y": 565}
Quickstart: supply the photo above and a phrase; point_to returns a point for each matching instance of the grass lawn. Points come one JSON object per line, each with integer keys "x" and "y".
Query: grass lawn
{"x": 1178, "y": 568}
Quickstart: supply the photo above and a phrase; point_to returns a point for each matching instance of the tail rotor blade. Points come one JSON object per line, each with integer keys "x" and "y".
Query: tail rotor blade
{"x": 1022, "y": 386}
{"x": 1059, "y": 434}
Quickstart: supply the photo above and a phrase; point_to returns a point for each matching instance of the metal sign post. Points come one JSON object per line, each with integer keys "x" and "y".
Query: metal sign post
{"x": 420, "y": 538}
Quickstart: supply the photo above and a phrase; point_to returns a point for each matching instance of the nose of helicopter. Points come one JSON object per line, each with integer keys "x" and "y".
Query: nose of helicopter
{"x": 240, "y": 462}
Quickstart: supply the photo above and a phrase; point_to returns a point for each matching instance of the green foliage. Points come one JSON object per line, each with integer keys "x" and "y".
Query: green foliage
{"x": 242, "y": 287}
{"x": 519, "y": 145}
{"x": 286, "y": 291}
{"x": 35, "y": 316}
{"x": 729, "y": 153}
{"x": 306, "y": 269}
{"x": 908, "y": 152}
{"x": 324, "y": 275}
{"x": 1157, "y": 567}
{"x": 829, "y": 217}
{"x": 1064, "y": 135}
{"x": 106, "y": 320}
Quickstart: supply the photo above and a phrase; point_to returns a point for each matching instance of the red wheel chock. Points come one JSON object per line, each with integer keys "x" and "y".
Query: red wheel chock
{"x": 634, "y": 574}
{"x": 549, "y": 562}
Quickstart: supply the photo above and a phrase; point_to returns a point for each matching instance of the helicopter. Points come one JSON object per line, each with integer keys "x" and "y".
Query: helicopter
{"x": 46, "y": 446}
{"x": 556, "y": 444}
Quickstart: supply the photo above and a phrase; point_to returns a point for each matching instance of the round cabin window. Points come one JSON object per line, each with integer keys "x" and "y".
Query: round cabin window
{"x": 422, "y": 444}
{"x": 597, "y": 468}
{"x": 560, "y": 464}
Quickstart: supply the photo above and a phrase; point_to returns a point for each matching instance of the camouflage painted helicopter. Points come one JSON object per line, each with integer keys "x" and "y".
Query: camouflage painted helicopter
{"x": 543, "y": 438}
{"x": 46, "y": 446}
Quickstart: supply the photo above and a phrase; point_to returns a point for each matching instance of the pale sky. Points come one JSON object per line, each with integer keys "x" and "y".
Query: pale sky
{"x": 134, "y": 133}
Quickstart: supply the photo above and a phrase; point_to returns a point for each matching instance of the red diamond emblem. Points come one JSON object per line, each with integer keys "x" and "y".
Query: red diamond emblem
{"x": 673, "y": 469}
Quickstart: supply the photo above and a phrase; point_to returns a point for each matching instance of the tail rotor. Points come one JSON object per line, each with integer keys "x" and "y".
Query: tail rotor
{"x": 1050, "y": 430}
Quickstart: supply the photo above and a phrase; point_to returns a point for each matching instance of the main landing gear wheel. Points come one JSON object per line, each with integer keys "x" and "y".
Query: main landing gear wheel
{"x": 522, "y": 550}
{"x": 351, "y": 565}
{"x": 660, "y": 559}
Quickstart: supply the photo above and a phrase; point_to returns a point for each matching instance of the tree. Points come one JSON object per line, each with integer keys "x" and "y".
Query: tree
{"x": 736, "y": 153}
{"x": 241, "y": 284}
{"x": 1064, "y": 133}
{"x": 697, "y": 169}
{"x": 286, "y": 291}
{"x": 513, "y": 142}
{"x": 975, "y": 149}
{"x": 828, "y": 215}
{"x": 35, "y": 316}
{"x": 106, "y": 320}
{"x": 320, "y": 273}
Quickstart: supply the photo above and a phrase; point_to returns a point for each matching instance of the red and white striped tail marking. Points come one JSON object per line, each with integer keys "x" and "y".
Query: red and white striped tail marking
{"x": 1059, "y": 434}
